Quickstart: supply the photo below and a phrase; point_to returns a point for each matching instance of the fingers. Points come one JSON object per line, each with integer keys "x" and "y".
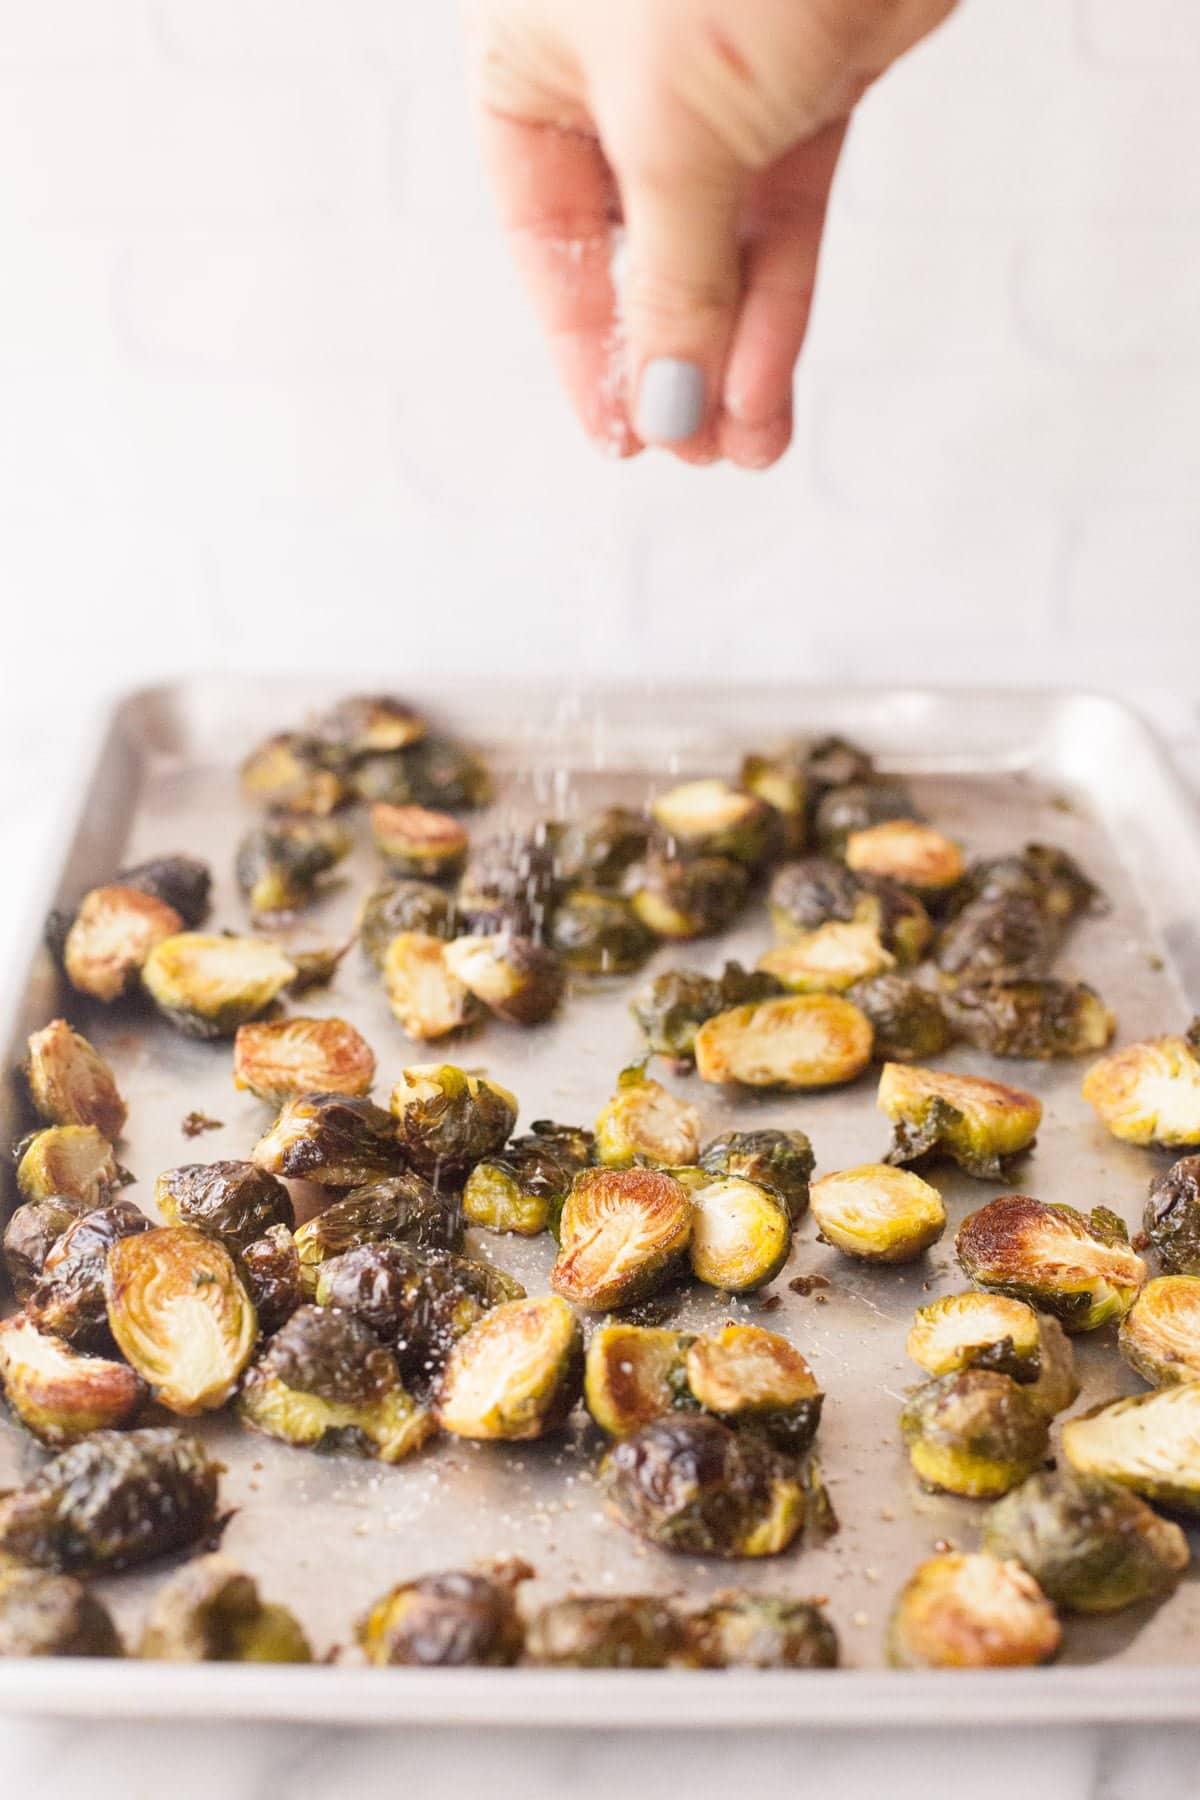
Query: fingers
{"x": 558, "y": 204}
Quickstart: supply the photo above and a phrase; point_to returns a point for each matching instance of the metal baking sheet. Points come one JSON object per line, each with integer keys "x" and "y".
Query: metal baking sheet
{"x": 327, "y": 1534}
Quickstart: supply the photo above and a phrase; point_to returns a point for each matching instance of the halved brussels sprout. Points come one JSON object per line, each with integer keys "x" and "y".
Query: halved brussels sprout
{"x": 31, "y": 1234}
{"x": 71, "y": 1161}
{"x": 906, "y": 851}
{"x": 1057, "y": 1385}
{"x": 113, "y": 1500}
{"x": 691, "y": 1484}
{"x": 1160, "y": 1334}
{"x": 233, "y": 1201}
{"x": 1007, "y": 938}
{"x": 644, "y": 1119}
{"x": 908, "y": 1020}
{"x": 363, "y": 724}
{"x": 1091, "y": 1546}
{"x": 70, "y": 1083}
{"x": 59, "y": 1395}
{"x": 971, "y": 1612}
{"x": 780, "y": 1160}
{"x": 52, "y": 1615}
{"x": 586, "y": 1631}
{"x": 981, "y": 1125}
{"x": 877, "y": 1213}
{"x": 622, "y": 1234}
{"x": 290, "y": 771}
{"x": 1171, "y": 1220}
{"x": 278, "y": 865}
{"x": 207, "y": 986}
{"x": 519, "y": 980}
{"x": 183, "y": 882}
{"x": 403, "y": 1209}
{"x": 599, "y": 850}
{"x": 817, "y": 891}
{"x": 522, "y": 1188}
{"x": 635, "y": 1373}
{"x": 681, "y": 899}
{"x": 671, "y": 1008}
{"x": 1150, "y": 1443}
{"x": 211, "y": 1611}
{"x": 761, "y": 1631}
{"x": 828, "y": 960}
{"x": 975, "y": 1432}
{"x": 437, "y": 771}
{"x": 414, "y": 840}
{"x": 599, "y": 934}
{"x": 512, "y": 883}
{"x": 418, "y": 1302}
{"x": 711, "y": 818}
{"x": 326, "y": 1382}
{"x": 754, "y": 1377}
{"x": 1035, "y": 1019}
{"x": 856, "y": 806}
{"x": 1079, "y": 1268}
{"x": 516, "y": 1374}
{"x": 273, "y": 1276}
{"x": 801, "y": 1041}
{"x": 280, "y": 1059}
{"x": 781, "y": 780}
{"x": 111, "y": 937}
{"x": 458, "y": 1619}
{"x": 741, "y": 1234}
{"x": 836, "y": 762}
{"x": 67, "y": 1300}
{"x": 336, "y": 1140}
{"x": 425, "y": 994}
{"x": 976, "y": 1331}
{"x": 449, "y": 1120}
{"x": 1149, "y": 1093}
{"x": 400, "y": 906}
{"x": 181, "y": 1315}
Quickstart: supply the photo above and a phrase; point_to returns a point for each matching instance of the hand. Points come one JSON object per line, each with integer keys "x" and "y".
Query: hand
{"x": 711, "y": 129}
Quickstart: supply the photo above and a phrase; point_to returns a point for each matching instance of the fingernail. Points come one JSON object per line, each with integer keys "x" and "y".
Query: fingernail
{"x": 670, "y": 400}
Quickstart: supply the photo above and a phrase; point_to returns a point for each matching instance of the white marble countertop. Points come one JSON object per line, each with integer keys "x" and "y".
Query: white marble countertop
{"x": 52, "y": 1759}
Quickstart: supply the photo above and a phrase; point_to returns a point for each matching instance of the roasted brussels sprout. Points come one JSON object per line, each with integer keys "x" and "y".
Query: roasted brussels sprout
{"x": 418, "y": 1302}
{"x": 671, "y": 1008}
{"x": 207, "y": 986}
{"x": 437, "y": 771}
{"x": 1150, "y": 1443}
{"x": 836, "y": 762}
{"x": 211, "y": 1611}
{"x": 181, "y": 1315}
{"x": 1077, "y": 1267}
{"x": 67, "y": 1300}
{"x": 635, "y": 1373}
{"x": 677, "y": 898}
{"x": 68, "y": 1161}
{"x": 401, "y": 906}
{"x": 519, "y": 980}
{"x": 689, "y": 1483}
{"x": 278, "y": 865}
{"x": 599, "y": 934}
{"x": 326, "y": 1382}
{"x": 424, "y": 993}
{"x": 111, "y": 937}
{"x": 273, "y": 1276}
{"x": 643, "y": 1119}
{"x": 183, "y": 882}
{"x": 828, "y": 960}
{"x": 233, "y": 1201}
{"x": 1160, "y": 1334}
{"x": 1171, "y": 1220}
{"x": 981, "y": 1125}
{"x": 280, "y": 1059}
{"x": 1150, "y": 1093}
{"x": 779, "y": 1160}
{"x": 59, "y": 1395}
{"x": 70, "y": 1083}
{"x": 116, "y": 1499}
{"x": 903, "y": 850}
{"x": 523, "y": 1187}
{"x": 290, "y": 771}
{"x": 586, "y": 1631}
{"x": 336, "y": 1140}
{"x": 1091, "y": 1546}
{"x": 1039, "y": 1020}
{"x": 908, "y": 1020}
{"x": 1006, "y": 938}
{"x": 800, "y": 1041}
{"x": 741, "y": 1233}
{"x": 1040, "y": 873}
{"x": 976, "y": 1331}
{"x": 448, "y": 1621}
{"x": 403, "y": 1209}
{"x": 363, "y": 724}
{"x": 759, "y": 1631}
{"x": 1057, "y": 1384}
{"x": 710, "y": 818}
{"x": 855, "y": 806}
{"x": 975, "y": 1432}
{"x": 449, "y": 1120}
{"x": 877, "y": 1213}
{"x": 818, "y": 891}
{"x": 599, "y": 850}
{"x": 512, "y": 883}
{"x": 414, "y": 840}
{"x": 781, "y": 779}
{"x": 971, "y": 1612}
{"x": 622, "y": 1234}
{"x": 31, "y": 1234}
{"x": 749, "y": 1376}
{"x": 52, "y": 1615}
{"x": 516, "y": 1374}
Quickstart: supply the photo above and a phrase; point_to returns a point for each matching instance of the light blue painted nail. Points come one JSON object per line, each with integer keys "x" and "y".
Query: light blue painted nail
{"x": 670, "y": 400}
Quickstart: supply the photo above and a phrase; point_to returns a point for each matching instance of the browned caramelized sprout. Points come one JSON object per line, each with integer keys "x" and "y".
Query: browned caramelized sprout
{"x": 181, "y": 1315}
{"x": 672, "y": 1007}
{"x": 31, "y": 1234}
{"x": 404, "y": 1209}
{"x": 625, "y": 1631}
{"x": 233, "y": 1201}
{"x": 437, "y": 772}
{"x": 418, "y": 1302}
{"x": 363, "y": 724}
{"x": 749, "y": 1376}
{"x": 280, "y": 1059}
{"x": 453, "y": 1620}
{"x": 857, "y": 805}
{"x": 971, "y": 1612}
{"x": 976, "y": 1331}
{"x": 761, "y": 1631}
{"x": 1041, "y": 873}
{"x": 68, "y": 1298}
{"x": 113, "y": 933}
{"x": 906, "y": 851}
{"x": 802, "y": 1041}
{"x": 635, "y": 1373}
{"x": 211, "y": 1611}
{"x": 290, "y": 771}
{"x": 335, "y": 1140}
{"x": 522, "y": 1188}
{"x": 835, "y": 762}
{"x": 622, "y": 1234}
{"x": 643, "y": 1119}
{"x": 877, "y": 1213}
{"x": 1079, "y": 1268}
{"x": 71, "y": 1161}
{"x": 59, "y": 1395}
{"x": 183, "y": 882}
{"x": 1039, "y": 1020}
{"x": 206, "y": 986}
{"x": 741, "y": 1233}
{"x": 516, "y": 1374}
{"x": 273, "y": 1276}
{"x": 1009, "y": 938}
{"x": 401, "y": 906}
{"x": 70, "y": 1083}
{"x": 599, "y": 934}
{"x": 1171, "y": 1220}
{"x": 414, "y": 840}
{"x": 279, "y": 864}
{"x": 512, "y": 883}
{"x": 818, "y": 891}
{"x": 517, "y": 979}
{"x": 1150, "y": 1443}
{"x": 598, "y": 850}
{"x": 828, "y": 960}
{"x": 781, "y": 780}
{"x": 981, "y": 1125}
{"x": 909, "y": 1021}
{"x": 1057, "y": 1384}
{"x": 711, "y": 818}
{"x": 1160, "y": 1334}
{"x": 448, "y": 1120}
{"x": 425, "y": 994}
{"x": 1150, "y": 1093}
{"x": 689, "y": 1483}
{"x": 681, "y": 899}
{"x": 52, "y": 1615}
{"x": 1091, "y": 1546}
{"x": 779, "y": 1160}
{"x": 976, "y": 1433}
